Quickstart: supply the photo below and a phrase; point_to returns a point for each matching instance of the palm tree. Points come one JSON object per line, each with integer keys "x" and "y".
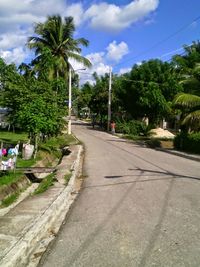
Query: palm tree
{"x": 190, "y": 106}
{"x": 26, "y": 70}
{"x": 54, "y": 43}
{"x": 188, "y": 66}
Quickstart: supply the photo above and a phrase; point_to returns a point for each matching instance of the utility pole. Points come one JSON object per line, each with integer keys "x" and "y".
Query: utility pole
{"x": 70, "y": 102}
{"x": 109, "y": 98}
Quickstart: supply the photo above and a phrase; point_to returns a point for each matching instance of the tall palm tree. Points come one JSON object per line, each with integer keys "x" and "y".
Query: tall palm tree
{"x": 54, "y": 41}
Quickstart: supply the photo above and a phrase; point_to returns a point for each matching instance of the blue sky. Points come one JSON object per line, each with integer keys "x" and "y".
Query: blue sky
{"x": 119, "y": 31}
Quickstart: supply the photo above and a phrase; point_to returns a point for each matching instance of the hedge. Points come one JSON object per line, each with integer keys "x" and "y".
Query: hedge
{"x": 132, "y": 127}
{"x": 188, "y": 142}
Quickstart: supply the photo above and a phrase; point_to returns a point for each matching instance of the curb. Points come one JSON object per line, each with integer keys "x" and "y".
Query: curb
{"x": 44, "y": 228}
{"x": 177, "y": 153}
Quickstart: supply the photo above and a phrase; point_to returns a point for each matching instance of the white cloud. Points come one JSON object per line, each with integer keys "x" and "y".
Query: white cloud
{"x": 99, "y": 66}
{"x": 115, "y": 18}
{"x": 124, "y": 70}
{"x": 17, "y": 18}
{"x": 12, "y": 40}
{"x": 100, "y": 60}
{"x": 16, "y": 23}
{"x": 76, "y": 11}
{"x": 17, "y": 55}
{"x": 117, "y": 51}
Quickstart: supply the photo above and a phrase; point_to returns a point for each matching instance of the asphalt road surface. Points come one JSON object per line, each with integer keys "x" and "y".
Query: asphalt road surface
{"x": 138, "y": 207}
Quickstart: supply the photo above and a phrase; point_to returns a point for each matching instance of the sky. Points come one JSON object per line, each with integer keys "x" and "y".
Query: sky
{"x": 121, "y": 33}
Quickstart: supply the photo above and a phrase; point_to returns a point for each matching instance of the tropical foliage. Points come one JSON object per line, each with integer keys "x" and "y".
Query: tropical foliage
{"x": 54, "y": 46}
{"x": 190, "y": 106}
{"x": 36, "y": 93}
{"x": 189, "y": 101}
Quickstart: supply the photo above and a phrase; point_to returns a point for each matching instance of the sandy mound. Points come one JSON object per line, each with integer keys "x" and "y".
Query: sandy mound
{"x": 161, "y": 133}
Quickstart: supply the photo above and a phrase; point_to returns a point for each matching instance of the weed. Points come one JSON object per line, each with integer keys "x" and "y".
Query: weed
{"x": 9, "y": 177}
{"x": 9, "y": 200}
{"x": 67, "y": 177}
{"x": 13, "y": 138}
{"x": 45, "y": 184}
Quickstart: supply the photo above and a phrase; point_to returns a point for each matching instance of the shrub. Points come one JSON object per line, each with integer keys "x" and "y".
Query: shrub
{"x": 132, "y": 127}
{"x": 188, "y": 142}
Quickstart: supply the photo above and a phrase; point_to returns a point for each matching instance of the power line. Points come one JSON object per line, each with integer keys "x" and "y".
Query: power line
{"x": 160, "y": 42}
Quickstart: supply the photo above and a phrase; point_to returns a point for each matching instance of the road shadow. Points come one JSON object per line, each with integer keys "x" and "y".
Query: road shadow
{"x": 143, "y": 173}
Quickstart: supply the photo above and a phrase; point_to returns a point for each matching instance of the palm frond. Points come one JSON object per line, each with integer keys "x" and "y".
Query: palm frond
{"x": 193, "y": 119}
{"x": 186, "y": 101}
{"x": 80, "y": 59}
{"x": 56, "y": 36}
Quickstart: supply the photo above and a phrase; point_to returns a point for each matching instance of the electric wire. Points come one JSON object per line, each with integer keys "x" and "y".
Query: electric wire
{"x": 159, "y": 43}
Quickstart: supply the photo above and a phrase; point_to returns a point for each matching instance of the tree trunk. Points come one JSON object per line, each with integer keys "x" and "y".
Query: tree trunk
{"x": 36, "y": 145}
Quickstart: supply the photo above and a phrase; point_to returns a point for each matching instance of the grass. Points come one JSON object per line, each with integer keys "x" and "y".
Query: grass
{"x": 9, "y": 177}
{"x": 55, "y": 144}
{"x": 21, "y": 163}
{"x": 45, "y": 184}
{"x": 9, "y": 200}
{"x": 67, "y": 177}
{"x": 60, "y": 141}
{"x": 13, "y": 138}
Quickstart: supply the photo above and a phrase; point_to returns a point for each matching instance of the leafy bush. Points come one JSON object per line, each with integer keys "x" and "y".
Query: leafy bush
{"x": 188, "y": 142}
{"x": 132, "y": 127}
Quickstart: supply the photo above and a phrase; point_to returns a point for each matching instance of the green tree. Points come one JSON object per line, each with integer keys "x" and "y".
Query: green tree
{"x": 188, "y": 66}
{"x": 190, "y": 107}
{"x": 55, "y": 45}
{"x": 148, "y": 90}
{"x": 33, "y": 106}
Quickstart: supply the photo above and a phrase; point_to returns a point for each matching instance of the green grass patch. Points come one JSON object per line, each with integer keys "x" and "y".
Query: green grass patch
{"x": 21, "y": 163}
{"x": 45, "y": 184}
{"x": 67, "y": 177}
{"x": 61, "y": 141}
{"x": 9, "y": 177}
{"x": 55, "y": 144}
{"x": 9, "y": 200}
{"x": 13, "y": 138}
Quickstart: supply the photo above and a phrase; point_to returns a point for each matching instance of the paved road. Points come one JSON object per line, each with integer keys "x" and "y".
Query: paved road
{"x": 138, "y": 207}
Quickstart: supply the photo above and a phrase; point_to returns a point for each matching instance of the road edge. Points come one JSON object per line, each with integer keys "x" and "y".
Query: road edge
{"x": 29, "y": 249}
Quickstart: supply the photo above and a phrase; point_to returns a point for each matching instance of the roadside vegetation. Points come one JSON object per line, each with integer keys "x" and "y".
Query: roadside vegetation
{"x": 45, "y": 184}
{"x": 154, "y": 90}
{"x": 49, "y": 154}
{"x": 36, "y": 94}
{"x": 9, "y": 200}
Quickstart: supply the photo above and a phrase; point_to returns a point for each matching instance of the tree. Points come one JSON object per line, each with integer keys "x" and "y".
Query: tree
{"x": 54, "y": 46}
{"x": 32, "y": 105}
{"x": 190, "y": 107}
{"x": 188, "y": 66}
{"x": 148, "y": 89}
